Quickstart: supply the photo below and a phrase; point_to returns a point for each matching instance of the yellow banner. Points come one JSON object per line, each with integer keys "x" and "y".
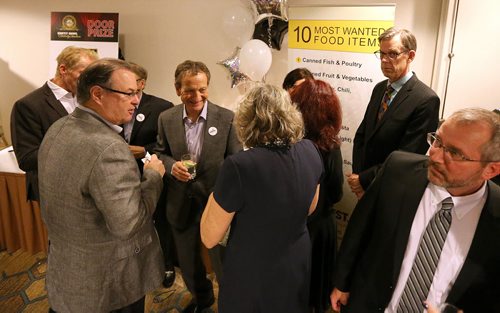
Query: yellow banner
{"x": 351, "y": 36}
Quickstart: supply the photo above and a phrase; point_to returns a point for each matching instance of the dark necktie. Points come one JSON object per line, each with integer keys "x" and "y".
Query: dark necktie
{"x": 385, "y": 102}
{"x": 427, "y": 258}
{"x": 127, "y": 128}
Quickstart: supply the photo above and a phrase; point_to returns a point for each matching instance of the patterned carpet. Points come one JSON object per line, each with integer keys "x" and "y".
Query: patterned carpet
{"x": 22, "y": 287}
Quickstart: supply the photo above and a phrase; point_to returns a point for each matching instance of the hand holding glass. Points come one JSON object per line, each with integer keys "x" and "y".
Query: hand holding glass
{"x": 189, "y": 161}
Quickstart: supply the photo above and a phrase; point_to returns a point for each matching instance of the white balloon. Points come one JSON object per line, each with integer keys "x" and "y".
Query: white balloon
{"x": 255, "y": 59}
{"x": 238, "y": 23}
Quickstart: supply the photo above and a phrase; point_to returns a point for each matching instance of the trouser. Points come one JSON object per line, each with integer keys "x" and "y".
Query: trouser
{"x": 165, "y": 235}
{"x": 188, "y": 244}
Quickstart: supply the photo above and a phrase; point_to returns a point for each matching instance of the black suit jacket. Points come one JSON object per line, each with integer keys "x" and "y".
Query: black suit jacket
{"x": 30, "y": 119}
{"x": 144, "y": 132}
{"x": 185, "y": 201}
{"x": 370, "y": 257}
{"x": 412, "y": 114}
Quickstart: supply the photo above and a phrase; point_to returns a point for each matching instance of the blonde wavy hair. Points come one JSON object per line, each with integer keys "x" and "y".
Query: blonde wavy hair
{"x": 266, "y": 116}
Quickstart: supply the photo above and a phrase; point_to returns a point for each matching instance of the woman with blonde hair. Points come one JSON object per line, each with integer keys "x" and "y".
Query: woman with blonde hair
{"x": 265, "y": 193}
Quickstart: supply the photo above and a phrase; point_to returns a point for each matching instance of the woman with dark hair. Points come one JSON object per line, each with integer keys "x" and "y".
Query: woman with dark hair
{"x": 322, "y": 116}
{"x": 265, "y": 193}
{"x": 296, "y": 77}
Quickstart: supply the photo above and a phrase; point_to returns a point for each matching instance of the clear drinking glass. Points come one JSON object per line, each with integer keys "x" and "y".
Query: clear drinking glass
{"x": 189, "y": 161}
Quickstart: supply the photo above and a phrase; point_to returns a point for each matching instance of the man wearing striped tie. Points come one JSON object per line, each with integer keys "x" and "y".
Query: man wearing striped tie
{"x": 428, "y": 228}
{"x": 401, "y": 111}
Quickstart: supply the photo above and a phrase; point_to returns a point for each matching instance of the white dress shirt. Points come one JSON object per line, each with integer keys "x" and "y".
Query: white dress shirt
{"x": 65, "y": 97}
{"x": 465, "y": 216}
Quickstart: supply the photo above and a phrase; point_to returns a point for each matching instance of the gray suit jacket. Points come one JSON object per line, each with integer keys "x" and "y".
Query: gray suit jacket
{"x": 186, "y": 200}
{"x": 104, "y": 252}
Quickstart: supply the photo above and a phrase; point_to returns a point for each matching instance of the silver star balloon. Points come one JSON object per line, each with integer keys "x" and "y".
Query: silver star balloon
{"x": 271, "y": 8}
{"x": 232, "y": 64}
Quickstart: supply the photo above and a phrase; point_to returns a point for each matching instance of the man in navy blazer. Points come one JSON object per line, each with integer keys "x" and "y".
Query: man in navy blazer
{"x": 412, "y": 111}
{"x": 204, "y": 130}
{"x": 33, "y": 114}
{"x": 141, "y": 133}
{"x": 385, "y": 229}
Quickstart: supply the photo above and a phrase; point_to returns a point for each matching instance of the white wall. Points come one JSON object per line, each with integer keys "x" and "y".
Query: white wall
{"x": 473, "y": 72}
{"x": 159, "y": 34}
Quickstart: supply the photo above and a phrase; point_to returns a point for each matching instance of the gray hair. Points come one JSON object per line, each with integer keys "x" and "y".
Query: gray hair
{"x": 139, "y": 71}
{"x": 266, "y": 115}
{"x": 407, "y": 38}
{"x": 98, "y": 73}
{"x": 490, "y": 151}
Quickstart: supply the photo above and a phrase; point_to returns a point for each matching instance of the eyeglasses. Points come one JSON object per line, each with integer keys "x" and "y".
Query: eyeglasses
{"x": 391, "y": 55}
{"x": 435, "y": 142}
{"x": 129, "y": 94}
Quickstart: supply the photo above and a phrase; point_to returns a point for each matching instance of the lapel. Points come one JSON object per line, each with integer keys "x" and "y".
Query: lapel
{"x": 177, "y": 140}
{"x": 409, "y": 200}
{"x": 144, "y": 109}
{"x": 209, "y": 141}
{"x": 481, "y": 249}
{"x": 398, "y": 100}
{"x": 53, "y": 102}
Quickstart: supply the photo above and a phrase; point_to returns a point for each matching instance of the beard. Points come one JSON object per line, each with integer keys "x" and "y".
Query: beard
{"x": 440, "y": 177}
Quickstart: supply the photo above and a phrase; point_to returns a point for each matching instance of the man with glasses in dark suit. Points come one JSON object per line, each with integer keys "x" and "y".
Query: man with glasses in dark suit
{"x": 140, "y": 133}
{"x": 427, "y": 229}
{"x": 401, "y": 111}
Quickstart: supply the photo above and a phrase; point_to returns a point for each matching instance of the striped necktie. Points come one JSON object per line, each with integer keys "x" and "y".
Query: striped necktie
{"x": 422, "y": 272}
{"x": 385, "y": 102}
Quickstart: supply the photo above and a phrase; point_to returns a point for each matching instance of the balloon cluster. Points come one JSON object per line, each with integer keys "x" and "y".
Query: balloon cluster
{"x": 252, "y": 61}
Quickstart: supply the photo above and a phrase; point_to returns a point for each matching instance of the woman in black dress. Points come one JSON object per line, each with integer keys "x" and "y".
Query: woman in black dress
{"x": 322, "y": 116}
{"x": 265, "y": 193}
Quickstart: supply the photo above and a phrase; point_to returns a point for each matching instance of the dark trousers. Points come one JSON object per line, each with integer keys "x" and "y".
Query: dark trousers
{"x": 136, "y": 307}
{"x": 165, "y": 235}
{"x": 188, "y": 244}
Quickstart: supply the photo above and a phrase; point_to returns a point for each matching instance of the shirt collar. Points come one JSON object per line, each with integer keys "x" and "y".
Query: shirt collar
{"x": 463, "y": 204}
{"x": 114, "y": 127}
{"x": 58, "y": 91}
{"x": 203, "y": 113}
{"x": 398, "y": 84}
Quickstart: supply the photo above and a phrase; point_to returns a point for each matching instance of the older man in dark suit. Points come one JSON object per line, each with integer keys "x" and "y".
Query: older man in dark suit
{"x": 401, "y": 111}
{"x": 204, "y": 130}
{"x": 33, "y": 114}
{"x": 427, "y": 229}
{"x": 104, "y": 252}
{"x": 142, "y": 129}
{"x": 141, "y": 133}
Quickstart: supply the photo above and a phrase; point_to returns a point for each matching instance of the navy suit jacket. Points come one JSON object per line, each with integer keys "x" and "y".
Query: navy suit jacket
{"x": 373, "y": 247}
{"x": 413, "y": 113}
{"x": 30, "y": 119}
{"x": 144, "y": 132}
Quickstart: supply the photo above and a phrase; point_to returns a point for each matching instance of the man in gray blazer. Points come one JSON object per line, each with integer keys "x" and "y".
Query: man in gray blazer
{"x": 104, "y": 252}
{"x": 204, "y": 130}
{"x": 33, "y": 114}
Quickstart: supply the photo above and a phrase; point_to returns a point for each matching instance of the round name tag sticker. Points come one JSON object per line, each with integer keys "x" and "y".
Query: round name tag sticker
{"x": 212, "y": 131}
{"x": 139, "y": 117}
